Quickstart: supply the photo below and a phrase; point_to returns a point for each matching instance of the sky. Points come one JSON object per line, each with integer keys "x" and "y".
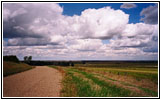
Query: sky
{"x": 81, "y": 31}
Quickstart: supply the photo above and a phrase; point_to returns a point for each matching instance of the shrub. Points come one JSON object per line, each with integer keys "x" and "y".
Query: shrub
{"x": 72, "y": 64}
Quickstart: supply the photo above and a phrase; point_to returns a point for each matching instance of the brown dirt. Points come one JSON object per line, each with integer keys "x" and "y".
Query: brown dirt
{"x": 41, "y": 81}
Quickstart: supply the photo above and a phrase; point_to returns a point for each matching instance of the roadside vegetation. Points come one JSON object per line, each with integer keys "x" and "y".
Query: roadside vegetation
{"x": 10, "y": 68}
{"x": 83, "y": 80}
{"x": 11, "y": 65}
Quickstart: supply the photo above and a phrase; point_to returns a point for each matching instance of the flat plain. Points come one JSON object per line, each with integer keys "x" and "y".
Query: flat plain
{"x": 116, "y": 79}
{"x": 90, "y": 79}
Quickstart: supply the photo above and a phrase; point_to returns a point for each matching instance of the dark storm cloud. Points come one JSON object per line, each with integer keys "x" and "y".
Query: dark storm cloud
{"x": 150, "y": 15}
{"x": 16, "y": 21}
{"x": 28, "y": 24}
{"x": 11, "y": 30}
{"x": 19, "y": 18}
{"x": 128, "y": 5}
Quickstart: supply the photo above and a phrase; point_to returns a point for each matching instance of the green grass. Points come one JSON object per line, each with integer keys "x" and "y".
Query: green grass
{"x": 102, "y": 80}
{"x": 146, "y": 90}
{"x": 69, "y": 87}
{"x": 108, "y": 90}
{"x": 10, "y": 68}
{"x": 137, "y": 73}
{"x": 56, "y": 67}
{"x": 118, "y": 64}
{"x": 75, "y": 86}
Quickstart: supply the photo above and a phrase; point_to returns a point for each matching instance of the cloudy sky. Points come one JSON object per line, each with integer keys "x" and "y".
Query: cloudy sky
{"x": 81, "y": 31}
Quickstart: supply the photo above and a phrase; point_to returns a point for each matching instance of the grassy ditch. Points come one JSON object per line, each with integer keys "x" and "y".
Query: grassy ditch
{"x": 10, "y": 68}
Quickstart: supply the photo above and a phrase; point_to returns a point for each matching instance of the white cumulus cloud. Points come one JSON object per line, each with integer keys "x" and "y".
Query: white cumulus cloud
{"x": 40, "y": 29}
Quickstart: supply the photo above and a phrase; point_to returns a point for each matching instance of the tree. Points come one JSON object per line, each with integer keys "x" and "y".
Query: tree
{"x": 27, "y": 59}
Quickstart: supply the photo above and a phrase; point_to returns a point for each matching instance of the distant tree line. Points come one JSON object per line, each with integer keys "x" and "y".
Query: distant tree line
{"x": 65, "y": 63}
{"x": 28, "y": 60}
{"x": 57, "y": 63}
{"x": 11, "y": 58}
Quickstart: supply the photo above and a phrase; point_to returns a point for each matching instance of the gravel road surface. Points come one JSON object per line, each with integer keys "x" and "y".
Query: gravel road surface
{"x": 41, "y": 81}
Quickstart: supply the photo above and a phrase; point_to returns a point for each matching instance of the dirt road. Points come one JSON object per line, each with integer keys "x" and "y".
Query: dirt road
{"x": 41, "y": 81}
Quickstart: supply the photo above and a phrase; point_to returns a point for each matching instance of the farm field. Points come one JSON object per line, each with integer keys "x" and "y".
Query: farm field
{"x": 110, "y": 80}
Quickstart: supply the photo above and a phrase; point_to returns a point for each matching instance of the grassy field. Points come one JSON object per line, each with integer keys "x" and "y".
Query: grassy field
{"x": 110, "y": 80}
{"x": 10, "y": 68}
